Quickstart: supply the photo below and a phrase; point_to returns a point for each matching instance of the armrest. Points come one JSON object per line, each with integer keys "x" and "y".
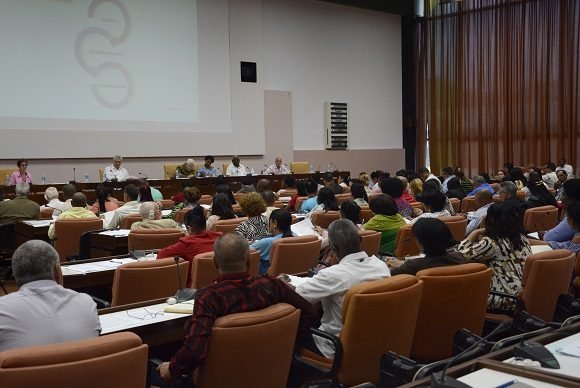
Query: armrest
{"x": 337, "y": 354}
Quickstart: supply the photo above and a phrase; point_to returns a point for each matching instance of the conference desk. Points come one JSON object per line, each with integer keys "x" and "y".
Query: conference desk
{"x": 30, "y": 230}
{"x": 83, "y": 274}
{"x": 168, "y": 187}
{"x": 104, "y": 244}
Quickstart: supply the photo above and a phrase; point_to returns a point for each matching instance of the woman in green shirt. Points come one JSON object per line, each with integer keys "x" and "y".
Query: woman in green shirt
{"x": 386, "y": 220}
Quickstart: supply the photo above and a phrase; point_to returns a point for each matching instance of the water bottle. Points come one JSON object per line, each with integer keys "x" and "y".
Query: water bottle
{"x": 177, "y": 174}
{"x": 252, "y": 171}
{"x": 87, "y": 178}
{"x": 43, "y": 179}
{"x": 311, "y": 168}
{"x": 7, "y": 181}
{"x": 328, "y": 168}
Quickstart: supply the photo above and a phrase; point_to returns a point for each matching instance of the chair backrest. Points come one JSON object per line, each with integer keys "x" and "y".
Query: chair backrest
{"x": 142, "y": 239}
{"x": 378, "y": 316}
{"x": 293, "y": 254}
{"x": 540, "y": 218}
{"x": 167, "y": 204}
{"x": 101, "y": 174}
{"x": 454, "y": 297}
{"x": 227, "y": 226}
{"x": 298, "y": 204}
{"x": 239, "y": 340}
{"x": 114, "y": 360}
{"x": 129, "y": 220}
{"x": 457, "y": 226}
{"x": 468, "y": 204}
{"x": 206, "y": 199}
{"x": 370, "y": 241}
{"x": 180, "y": 215}
{"x": 204, "y": 272}
{"x": 169, "y": 170}
{"x": 406, "y": 242}
{"x": 4, "y": 172}
{"x": 365, "y": 214}
{"x": 324, "y": 219}
{"x": 147, "y": 280}
{"x": 300, "y": 167}
{"x": 46, "y": 212}
{"x": 456, "y": 203}
{"x": 340, "y": 198}
{"x": 546, "y": 276}
{"x": 67, "y": 233}
{"x": 576, "y": 284}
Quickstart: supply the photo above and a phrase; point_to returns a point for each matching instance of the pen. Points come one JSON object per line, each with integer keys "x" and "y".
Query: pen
{"x": 507, "y": 384}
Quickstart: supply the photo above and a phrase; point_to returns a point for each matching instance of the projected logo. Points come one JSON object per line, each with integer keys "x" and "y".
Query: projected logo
{"x": 112, "y": 84}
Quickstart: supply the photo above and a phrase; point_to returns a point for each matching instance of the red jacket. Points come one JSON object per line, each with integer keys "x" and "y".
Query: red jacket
{"x": 189, "y": 246}
{"x": 408, "y": 197}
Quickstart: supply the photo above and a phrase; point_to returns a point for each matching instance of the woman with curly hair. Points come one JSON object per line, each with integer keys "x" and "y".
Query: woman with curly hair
{"x": 256, "y": 226}
{"x": 501, "y": 245}
{"x": 191, "y": 196}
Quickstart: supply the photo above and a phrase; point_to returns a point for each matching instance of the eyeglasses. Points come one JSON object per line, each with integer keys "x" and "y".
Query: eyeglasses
{"x": 149, "y": 314}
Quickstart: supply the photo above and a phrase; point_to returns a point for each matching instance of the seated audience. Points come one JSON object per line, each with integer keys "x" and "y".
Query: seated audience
{"x": 21, "y": 176}
{"x": 466, "y": 183}
{"x": 359, "y": 195}
{"x": 186, "y": 170}
{"x": 365, "y": 181}
{"x": 116, "y": 173}
{"x": 104, "y": 203}
{"x": 78, "y": 210}
{"x": 234, "y": 291}
{"x": 483, "y": 200}
{"x": 131, "y": 206}
{"x": 501, "y": 245}
{"x": 426, "y": 176}
{"x": 328, "y": 180}
{"x": 288, "y": 187}
{"x": 207, "y": 170}
{"x": 256, "y": 226}
{"x": 221, "y": 209}
{"x": 573, "y": 218}
{"x": 279, "y": 224}
{"x": 300, "y": 193}
{"x": 311, "y": 191}
{"x": 68, "y": 191}
{"x": 375, "y": 178}
{"x": 224, "y": 188}
{"x": 269, "y": 198}
{"x": 330, "y": 285}
{"x": 500, "y": 175}
{"x": 549, "y": 174}
{"x": 151, "y": 218}
{"x": 247, "y": 185}
{"x": 436, "y": 243}
{"x": 191, "y": 196}
{"x": 42, "y": 311}
{"x": 562, "y": 166}
{"x": 394, "y": 188}
{"x": 198, "y": 240}
{"x": 434, "y": 203}
{"x": 539, "y": 195}
{"x": 563, "y": 231}
{"x": 558, "y": 186}
{"x": 325, "y": 201}
{"x": 344, "y": 181}
{"x": 263, "y": 185}
{"x": 407, "y": 192}
{"x": 386, "y": 220}
{"x": 277, "y": 168}
{"x": 479, "y": 184}
{"x": 236, "y": 169}
{"x": 148, "y": 193}
{"x": 516, "y": 175}
{"x": 20, "y": 208}
{"x": 52, "y": 200}
{"x": 447, "y": 174}
{"x": 349, "y": 210}
{"x": 508, "y": 193}
{"x": 416, "y": 186}
{"x": 454, "y": 189}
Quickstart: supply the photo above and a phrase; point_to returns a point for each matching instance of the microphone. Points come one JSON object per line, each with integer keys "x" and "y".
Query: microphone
{"x": 74, "y": 175}
{"x": 220, "y": 170}
{"x": 145, "y": 175}
{"x": 291, "y": 172}
{"x": 440, "y": 380}
{"x": 334, "y": 165}
{"x": 266, "y": 169}
{"x": 183, "y": 294}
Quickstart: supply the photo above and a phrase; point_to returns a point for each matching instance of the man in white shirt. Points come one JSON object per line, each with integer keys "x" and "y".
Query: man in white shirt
{"x": 277, "y": 168}
{"x": 426, "y": 175}
{"x": 447, "y": 173}
{"x": 68, "y": 191}
{"x": 566, "y": 167}
{"x": 42, "y": 311}
{"x": 331, "y": 284}
{"x": 116, "y": 173}
{"x": 483, "y": 200}
{"x": 236, "y": 169}
{"x": 51, "y": 197}
{"x": 549, "y": 176}
{"x": 131, "y": 206}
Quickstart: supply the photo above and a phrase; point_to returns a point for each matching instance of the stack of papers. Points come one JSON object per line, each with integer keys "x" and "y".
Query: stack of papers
{"x": 98, "y": 266}
{"x": 165, "y": 212}
{"x": 116, "y": 233}
{"x": 304, "y": 228}
{"x": 38, "y": 223}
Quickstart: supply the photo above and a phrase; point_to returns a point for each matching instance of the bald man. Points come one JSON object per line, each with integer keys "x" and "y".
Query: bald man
{"x": 483, "y": 200}
{"x": 277, "y": 168}
{"x": 151, "y": 218}
{"x": 78, "y": 210}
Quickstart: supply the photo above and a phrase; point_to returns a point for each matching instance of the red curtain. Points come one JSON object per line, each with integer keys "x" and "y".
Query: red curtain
{"x": 497, "y": 81}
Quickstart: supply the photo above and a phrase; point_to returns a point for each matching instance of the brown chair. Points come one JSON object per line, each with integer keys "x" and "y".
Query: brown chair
{"x": 546, "y": 276}
{"x": 279, "y": 204}
{"x": 114, "y": 360}
{"x": 370, "y": 241}
{"x": 468, "y": 204}
{"x": 143, "y": 239}
{"x": 204, "y": 272}
{"x": 147, "y": 280}
{"x": 68, "y": 232}
{"x": 324, "y": 219}
{"x": 206, "y": 200}
{"x": 406, "y": 243}
{"x": 293, "y": 255}
{"x": 179, "y": 216}
{"x": 129, "y": 220}
{"x": 457, "y": 226}
{"x": 167, "y": 204}
{"x": 300, "y": 167}
{"x": 365, "y": 214}
{"x": 240, "y": 340}
{"x": 344, "y": 197}
{"x": 227, "y": 226}
{"x": 521, "y": 194}
{"x": 299, "y": 202}
{"x": 540, "y": 218}
{"x": 46, "y": 212}
{"x": 169, "y": 170}
{"x": 454, "y": 297}
{"x": 371, "y": 327}
{"x": 456, "y": 203}
{"x": 576, "y": 284}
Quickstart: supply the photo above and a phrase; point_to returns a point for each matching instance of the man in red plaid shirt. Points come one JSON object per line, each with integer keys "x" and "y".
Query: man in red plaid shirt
{"x": 234, "y": 291}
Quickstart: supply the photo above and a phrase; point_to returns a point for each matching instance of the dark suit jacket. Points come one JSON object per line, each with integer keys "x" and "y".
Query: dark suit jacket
{"x": 20, "y": 208}
{"x": 412, "y": 266}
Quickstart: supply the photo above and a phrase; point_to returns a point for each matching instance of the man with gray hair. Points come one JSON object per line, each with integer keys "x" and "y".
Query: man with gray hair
{"x": 151, "y": 218}
{"x": 116, "y": 173}
{"x": 42, "y": 311}
{"x": 330, "y": 285}
{"x": 51, "y": 197}
{"x": 20, "y": 208}
{"x": 508, "y": 192}
{"x": 479, "y": 184}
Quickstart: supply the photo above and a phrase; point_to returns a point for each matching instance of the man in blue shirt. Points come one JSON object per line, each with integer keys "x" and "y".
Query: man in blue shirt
{"x": 480, "y": 184}
{"x": 311, "y": 190}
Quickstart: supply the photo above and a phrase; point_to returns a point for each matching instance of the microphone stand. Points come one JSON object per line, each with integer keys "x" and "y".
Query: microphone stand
{"x": 183, "y": 294}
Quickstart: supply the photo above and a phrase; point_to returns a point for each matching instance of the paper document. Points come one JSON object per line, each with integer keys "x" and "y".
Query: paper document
{"x": 124, "y": 260}
{"x": 127, "y": 319}
{"x": 206, "y": 207}
{"x": 571, "y": 349}
{"x": 304, "y": 228}
{"x": 534, "y": 235}
{"x": 165, "y": 212}
{"x": 540, "y": 248}
{"x": 180, "y": 308}
{"x": 116, "y": 233}
{"x": 38, "y": 223}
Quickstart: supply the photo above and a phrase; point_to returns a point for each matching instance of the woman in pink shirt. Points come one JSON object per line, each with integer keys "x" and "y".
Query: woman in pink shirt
{"x": 21, "y": 175}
